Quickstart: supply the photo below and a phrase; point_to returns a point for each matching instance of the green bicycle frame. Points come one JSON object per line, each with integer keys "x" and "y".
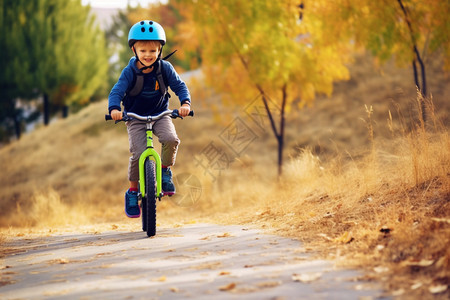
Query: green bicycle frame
{"x": 150, "y": 153}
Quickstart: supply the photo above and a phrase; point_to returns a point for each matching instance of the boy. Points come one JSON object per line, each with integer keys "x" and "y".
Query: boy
{"x": 146, "y": 39}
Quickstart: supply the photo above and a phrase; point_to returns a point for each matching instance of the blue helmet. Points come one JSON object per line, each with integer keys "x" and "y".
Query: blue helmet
{"x": 146, "y": 31}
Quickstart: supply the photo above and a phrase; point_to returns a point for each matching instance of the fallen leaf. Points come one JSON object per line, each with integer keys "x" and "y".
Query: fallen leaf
{"x": 269, "y": 284}
{"x": 224, "y": 273}
{"x": 174, "y": 289}
{"x": 59, "y": 261}
{"x": 381, "y": 269}
{"x": 440, "y": 262}
{"x": 105, "y": 266}
{"x": 345, "y": 238}
{"x": 417, "y": 285}
{"x": 6, "y": 282}
{"x": 307, "y": 277}
{"x": 226, "y": 234}
{"x": 207, "y": 265}
{"x": 398, "y": 292}
{"x": 191, "y": 249}
{"x": 114, "y": 227}
{"x": 161, "y": 279}
{"x": 36, "y": 272}
{"x": 421, "y": 263}
{"x": 441, "y": 220}
{"x": 325, "y": 236}
{"x": 228, "y": 287}
{"x": 57, "y": 293}
{"x": 436, "y": 289}
{"x": 380, "y": 247}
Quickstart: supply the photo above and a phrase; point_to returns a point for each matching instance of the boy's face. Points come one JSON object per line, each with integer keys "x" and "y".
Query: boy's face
{"x": 147, "y": 52}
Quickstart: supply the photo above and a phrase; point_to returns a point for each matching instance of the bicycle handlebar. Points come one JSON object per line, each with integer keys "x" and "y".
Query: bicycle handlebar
{"x": 128, "y": 116}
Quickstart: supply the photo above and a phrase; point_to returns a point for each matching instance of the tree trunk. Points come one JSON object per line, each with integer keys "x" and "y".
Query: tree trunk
{"x": 280, "y": 136}
{"x": 17, "y": 127}
{"x": 422, "y": 88}
{"x": 65, "y": 111}
{"x": 417, "y": 58}
{"x": 46, "y": 110}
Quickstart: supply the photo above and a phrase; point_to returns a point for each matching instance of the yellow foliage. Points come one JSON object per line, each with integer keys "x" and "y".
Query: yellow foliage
{"x": 252, "y": 45}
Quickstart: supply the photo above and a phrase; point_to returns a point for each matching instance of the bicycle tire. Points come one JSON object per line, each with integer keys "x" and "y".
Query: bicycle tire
{"x": 144, "y": 213}
{"x": 150, "y": 197}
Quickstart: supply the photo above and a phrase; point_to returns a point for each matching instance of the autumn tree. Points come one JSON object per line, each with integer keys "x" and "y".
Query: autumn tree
{"x": 251, "y": 47}
{"x": 409, "y": 30}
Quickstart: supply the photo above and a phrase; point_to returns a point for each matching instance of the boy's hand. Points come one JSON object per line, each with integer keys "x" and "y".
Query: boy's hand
{"x": 184, "y": 110}
{"x": 116, "y": 115}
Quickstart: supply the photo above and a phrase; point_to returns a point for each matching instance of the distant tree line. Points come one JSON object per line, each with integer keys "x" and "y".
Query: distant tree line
{"x": 52, "y": 50}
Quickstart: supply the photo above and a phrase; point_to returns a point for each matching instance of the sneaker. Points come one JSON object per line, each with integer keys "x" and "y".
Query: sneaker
{"x": 132, "y": 209}
{"x": 167, "y": 184}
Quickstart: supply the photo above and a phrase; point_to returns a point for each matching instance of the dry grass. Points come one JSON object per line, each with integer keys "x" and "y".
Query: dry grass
{"x": 390, "y": 215}
{"x": 367, "y": 187}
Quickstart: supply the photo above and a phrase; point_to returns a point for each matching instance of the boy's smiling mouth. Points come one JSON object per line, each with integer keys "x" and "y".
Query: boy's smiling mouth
{"x": 148, "y": 60}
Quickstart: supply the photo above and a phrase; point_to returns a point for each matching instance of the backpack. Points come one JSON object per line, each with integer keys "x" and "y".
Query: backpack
{"x": 138, "y": 80}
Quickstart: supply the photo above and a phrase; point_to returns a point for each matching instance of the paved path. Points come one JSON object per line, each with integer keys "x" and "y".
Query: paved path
{"x": 198, "y": 261}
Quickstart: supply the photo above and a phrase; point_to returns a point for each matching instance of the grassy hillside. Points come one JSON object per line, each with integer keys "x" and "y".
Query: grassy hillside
{"x": 363, "y": 188}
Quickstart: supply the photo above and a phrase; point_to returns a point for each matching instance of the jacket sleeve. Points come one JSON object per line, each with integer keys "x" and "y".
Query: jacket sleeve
{"x": 177, "y": 85}
{"x": 119, "y": 89}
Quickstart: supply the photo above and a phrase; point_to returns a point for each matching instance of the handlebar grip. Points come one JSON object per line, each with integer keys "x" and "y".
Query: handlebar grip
{"x": 176, "y": 115}
{"x": 108, "y": 117}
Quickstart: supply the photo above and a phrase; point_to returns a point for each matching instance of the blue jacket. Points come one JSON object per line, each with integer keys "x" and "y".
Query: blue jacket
{"x": 149, "y": 101}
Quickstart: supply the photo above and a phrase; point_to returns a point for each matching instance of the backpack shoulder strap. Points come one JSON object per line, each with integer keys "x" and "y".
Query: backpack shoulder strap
{"x": 138, "y": 84}
{"x": 160, "y": 78}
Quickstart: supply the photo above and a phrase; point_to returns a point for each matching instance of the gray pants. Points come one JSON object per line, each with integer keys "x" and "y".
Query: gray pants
{"x": 164, "y": 130}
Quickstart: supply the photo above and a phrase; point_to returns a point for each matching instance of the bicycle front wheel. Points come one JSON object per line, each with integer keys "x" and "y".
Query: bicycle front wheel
{"x": 149, "y": 207}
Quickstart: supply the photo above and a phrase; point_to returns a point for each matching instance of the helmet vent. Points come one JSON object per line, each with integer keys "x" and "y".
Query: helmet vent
{"x": 150, "y": 29}
{"x": 143, "y": 29}
{"x": 142, "y": 23}
{"x": 151, "y": 22}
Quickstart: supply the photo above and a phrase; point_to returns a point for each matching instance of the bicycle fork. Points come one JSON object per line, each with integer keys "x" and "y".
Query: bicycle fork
{"x": 150, "y": 153}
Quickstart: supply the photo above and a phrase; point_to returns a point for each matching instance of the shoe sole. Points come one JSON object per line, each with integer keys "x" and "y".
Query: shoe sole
{"x": 132, "y": 216}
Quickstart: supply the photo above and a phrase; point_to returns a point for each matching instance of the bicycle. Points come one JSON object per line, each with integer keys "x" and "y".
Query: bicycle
{"x": 150, "y": 170}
